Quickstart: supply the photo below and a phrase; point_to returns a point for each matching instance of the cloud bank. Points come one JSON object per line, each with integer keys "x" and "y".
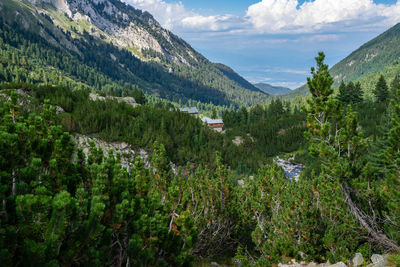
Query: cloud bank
{"x": 175, "y": 16}
{"x": 286, "y": 16}
{"x": 277, "y": 16}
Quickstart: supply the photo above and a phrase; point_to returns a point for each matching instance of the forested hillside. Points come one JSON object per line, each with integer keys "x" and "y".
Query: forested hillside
{"x": 272, "y": 90}
{"x": 99, "y": 70}
{"x": 108, "y": 51}
{"x": 380, "y": 56}
{"x": 62, "y": 207}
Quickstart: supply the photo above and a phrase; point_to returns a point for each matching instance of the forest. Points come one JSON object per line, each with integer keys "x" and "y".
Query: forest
{"x": 62, "y": 207}
{"x": 22, "y": 51}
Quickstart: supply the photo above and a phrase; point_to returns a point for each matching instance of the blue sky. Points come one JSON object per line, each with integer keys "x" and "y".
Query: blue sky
{"x": 274, "y": 41}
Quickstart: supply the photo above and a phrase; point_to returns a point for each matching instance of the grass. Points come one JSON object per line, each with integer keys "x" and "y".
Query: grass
{"x": 394, "y": 260}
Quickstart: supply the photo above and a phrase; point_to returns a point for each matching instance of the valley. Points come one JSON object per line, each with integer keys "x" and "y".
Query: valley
{"x": 121, "y": 145}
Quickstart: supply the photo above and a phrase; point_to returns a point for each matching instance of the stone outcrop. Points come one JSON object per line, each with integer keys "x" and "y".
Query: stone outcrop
{"x": 128, "y": 100}
{"x": 128, "y": 154}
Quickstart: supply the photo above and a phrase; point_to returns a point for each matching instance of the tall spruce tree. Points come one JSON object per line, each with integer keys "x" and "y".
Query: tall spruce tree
{"x": 358, "y": 93}
{"x": 350, "y": 93}
{"x": 381, "y": 91}
{"x": 395, "y": 86}
{"x": 343, "y": 95}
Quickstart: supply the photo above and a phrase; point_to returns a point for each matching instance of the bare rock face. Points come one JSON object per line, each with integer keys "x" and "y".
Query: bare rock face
{"x": 124, "y": 26}
{"x": 128, "y": 154}
{"x": 128, "y": 100}
{"x": 61, "y": 5}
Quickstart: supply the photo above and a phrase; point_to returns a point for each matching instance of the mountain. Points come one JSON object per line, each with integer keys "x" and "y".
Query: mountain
{"x": 379, "y": 56}
{"x": 110, "y": 46}
{"x": 272, "y": 90}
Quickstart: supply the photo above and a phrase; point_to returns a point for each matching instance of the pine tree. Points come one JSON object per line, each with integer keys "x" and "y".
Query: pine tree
{"x": 350, "y": 93}
{"x": 390, "y": 189}
{"x": 56, "y": 211}
{"x": 395, "y": 86}
{"x": 358, "y": 93}
{"x": 343, "y": 93}
{"x": 336, "y": 140}
{"x": 381, "y": 91}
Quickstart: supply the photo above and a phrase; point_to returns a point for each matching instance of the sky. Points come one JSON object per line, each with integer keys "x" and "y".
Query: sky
{"x": 274, "y": 41}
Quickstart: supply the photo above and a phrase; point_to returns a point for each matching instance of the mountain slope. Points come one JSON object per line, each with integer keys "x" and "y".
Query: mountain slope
{"x": 272, "y": 90}
{"x": 110, "y": 46}
{"x": 381, "y": 55}
{"x": 371, "y": 57}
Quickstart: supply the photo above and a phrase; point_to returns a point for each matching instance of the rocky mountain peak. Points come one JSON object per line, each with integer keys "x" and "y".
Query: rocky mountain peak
{"x": 126, "y": 27}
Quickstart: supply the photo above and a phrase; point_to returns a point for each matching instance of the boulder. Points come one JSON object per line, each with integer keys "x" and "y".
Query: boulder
{"x": 377, "y": 258}
{"x": 214, "y": 264}
{"x": 378, "y": 261}
{"x": 358, "y": 259}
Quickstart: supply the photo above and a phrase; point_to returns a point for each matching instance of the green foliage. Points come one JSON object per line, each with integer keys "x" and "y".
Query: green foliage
{"x": 266, "y": 130}
{"x": 344, "y": 207}
{"x": 370, "y": 58}
{"x": 349, "y": 195}
{"x": 381, "y": 90}
{"x": 350, "y": 93}
{"x": 394, "y": 260}
{"x": 60, "y": 211}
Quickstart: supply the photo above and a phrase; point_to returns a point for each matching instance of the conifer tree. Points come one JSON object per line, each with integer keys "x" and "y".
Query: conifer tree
{"x": 57, "y": 211}
{"x": 395, "y": 86}
{"x": 381, "y": 91}
{"x": 336, "y": 140}
{"x": 343, "y": 93}
{"x": 358, "y": 93}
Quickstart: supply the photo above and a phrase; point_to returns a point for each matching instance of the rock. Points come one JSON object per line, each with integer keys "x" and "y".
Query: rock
{"x": 377, "y": 258}
{"x": 128, "y": 154}
{"x": 339, "y": 264}
{"x": 378, "y": 261}
{"x": 59, "y": 110}
{"x": 128, "y": 100}
{"x": 358, "y": 259}
{"x": 214, "y": 264}
{"x": 238, "y": 140}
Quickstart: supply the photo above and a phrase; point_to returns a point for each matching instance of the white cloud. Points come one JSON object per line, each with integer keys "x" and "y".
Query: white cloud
{"x": 290, "y": 85}
{"x": 168, "y": 14}
{"x": 291, "y": 71}
{"x": 176, "y": 16}
{"x": 286, "y": 16}
{"x": 211, "y": 23}
{"x": 319, "y": 38}
{"x": 277, "y": 16}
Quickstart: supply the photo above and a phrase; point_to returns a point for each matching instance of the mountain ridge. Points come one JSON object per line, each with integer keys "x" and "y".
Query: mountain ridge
{"x": 127, "y": 46}
{"x": 273, "y": 90}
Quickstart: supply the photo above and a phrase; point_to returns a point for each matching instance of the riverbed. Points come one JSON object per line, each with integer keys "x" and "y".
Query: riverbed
{"x": 292, "y": 170}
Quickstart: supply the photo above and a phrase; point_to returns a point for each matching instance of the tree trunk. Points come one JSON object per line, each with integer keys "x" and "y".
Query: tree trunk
{"x": 368, "y": 224}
